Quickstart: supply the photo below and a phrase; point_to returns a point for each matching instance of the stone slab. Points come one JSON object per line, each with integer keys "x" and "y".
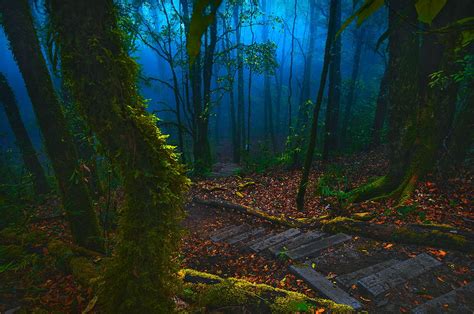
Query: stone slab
{"x": 347, "y": 280}
{"x": 244, "y": 236}
{"x": 274, "y": 240}
{"x": 227, "y": 232}
{"x": 399, "y": 273}
{"x": 451, "y": 299}
{"x": 316, "y": 246}
{"x": 295, "y": 242}
{"x": 328, "y": 289}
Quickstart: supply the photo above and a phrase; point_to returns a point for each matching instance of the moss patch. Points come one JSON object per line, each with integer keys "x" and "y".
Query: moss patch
{"x": 230, "y": 293}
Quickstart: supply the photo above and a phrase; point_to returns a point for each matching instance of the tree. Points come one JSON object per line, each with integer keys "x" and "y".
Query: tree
{"x": 351, "y": 94}
{"x": 334, "y": 93}
{"x": 102, "y": 78}
{"x": 314, "y": 125}
{"x": 268, "y": 106}
{"x": 30, "y": 159}
{"x": 18, "y": 25}
{"x": 380, "y": 110}
{"x": 240, "y": 84}
{"x": 420, "y": 112}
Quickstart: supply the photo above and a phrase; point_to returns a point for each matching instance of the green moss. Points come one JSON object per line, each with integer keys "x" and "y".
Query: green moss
{"x": 363, "y": 216}
{"x": 11, "y": 253}
{"x": 83, "y": 270}
{"x": 61, "y": 253}
{"x": 436, "y": 238}
{"x": 256, "y": 298}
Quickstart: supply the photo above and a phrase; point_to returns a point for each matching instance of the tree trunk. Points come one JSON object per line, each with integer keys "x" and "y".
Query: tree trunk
{"x": 268, "y": 106}
{"x": 240, "y": 84}
{"x": 380, "y": 110}
{"x": 334, "y": 93}
{"x": 18, "y": 25}
{"x": 420, "y": 114}
{"x": 314, "y": 126}
{"x": 30, "y": 159}
{"x": 290, "y": 76}
{"x": 351, "y": 94}
{"x": 99, "y": 71}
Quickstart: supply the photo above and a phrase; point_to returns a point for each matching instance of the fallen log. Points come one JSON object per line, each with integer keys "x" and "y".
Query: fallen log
{"x": 216, "y": 294}
{"x": 439, "y": 236}
{"x": 281, "y": 220}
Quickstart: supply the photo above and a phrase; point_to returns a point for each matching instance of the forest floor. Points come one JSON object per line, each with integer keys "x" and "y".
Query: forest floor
{"x": 436, "y": 200}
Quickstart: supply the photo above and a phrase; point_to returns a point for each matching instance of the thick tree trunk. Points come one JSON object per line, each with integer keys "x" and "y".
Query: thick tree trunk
{"x": 28, "y": 153}
{"x": 380, "y": 110}
{"x": 99, "y": 71}
{"x": 420, "y": 114}
{"x": 334, "y": 93}
{"x": 18, "y": 25}
{"x": 314, "y": 126}
{"x": 351, "y": 94}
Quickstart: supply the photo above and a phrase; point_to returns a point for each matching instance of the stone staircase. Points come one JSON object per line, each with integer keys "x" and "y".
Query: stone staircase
{"x": 375, "y": 280}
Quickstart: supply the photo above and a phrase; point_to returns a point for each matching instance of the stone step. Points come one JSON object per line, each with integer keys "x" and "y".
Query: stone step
{"x": 316, "y": 246}
{"x": 453, "y": 299}
{"x": 228, "y": 232}
{"x": 274, "y": 240}
{"x": 244, "y": 236}
{"x": 295, "y": 242}
{"x": 347, "y": 280}
{"x": 328, "y": 289}
{"x": 398, "y": 273}
{"x": 257, "y": 240}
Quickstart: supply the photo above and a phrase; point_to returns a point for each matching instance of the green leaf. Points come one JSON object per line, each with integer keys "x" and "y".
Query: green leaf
{"x": 367, "y": 9}
{"x": 428, "y": 9}
{"x": 200, "y": 21}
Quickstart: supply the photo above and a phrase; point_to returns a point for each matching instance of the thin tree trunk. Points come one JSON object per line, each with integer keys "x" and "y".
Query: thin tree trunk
{"x": 351, "y": 94}
{"x": 240, "y": 83}
{"x": 103, "y": 73}
{"x": 290, "y": 77}
{"x": 28, "y": 153}
{"x": 334, "y": 93}
{"x": 268, "y": 106}
{"x": 314, "y": 126}
{"x": 18, "y": 25}
{"x": 380, "y": 110}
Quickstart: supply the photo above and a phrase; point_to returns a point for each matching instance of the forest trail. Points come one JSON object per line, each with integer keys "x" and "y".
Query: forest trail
{"x": 352, "y": 270}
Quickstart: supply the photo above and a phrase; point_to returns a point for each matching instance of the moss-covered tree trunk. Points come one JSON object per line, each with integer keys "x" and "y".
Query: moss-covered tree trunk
{"x": 420, "y": 113}
{"x": 102, "y": 77}
{"x": 18, "y": 25}
{"x": 28, "y": 153}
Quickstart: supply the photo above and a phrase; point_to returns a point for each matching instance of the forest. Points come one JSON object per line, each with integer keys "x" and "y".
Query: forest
{"x": 236, "y": 156}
